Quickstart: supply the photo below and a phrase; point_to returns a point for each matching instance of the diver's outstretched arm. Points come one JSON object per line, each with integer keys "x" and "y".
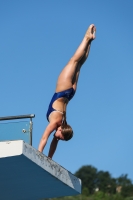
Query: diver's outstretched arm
{"x": 53, "y": 146}
{"x": 49, "y": 129}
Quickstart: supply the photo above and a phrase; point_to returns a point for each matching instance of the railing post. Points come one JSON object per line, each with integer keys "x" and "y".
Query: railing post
{"x": 31, "y": 128}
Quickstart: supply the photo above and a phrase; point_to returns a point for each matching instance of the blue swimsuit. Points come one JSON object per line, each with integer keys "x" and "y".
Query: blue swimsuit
{"x": 66, "y": 94}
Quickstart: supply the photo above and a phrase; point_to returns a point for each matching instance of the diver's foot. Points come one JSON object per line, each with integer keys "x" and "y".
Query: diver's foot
{"x": 90, "y": 33}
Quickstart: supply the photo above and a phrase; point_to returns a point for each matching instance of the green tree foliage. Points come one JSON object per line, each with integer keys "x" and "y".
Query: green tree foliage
{"x": 93, "y": 179}
{"x": 129, "y": 198}
{"x": 126, "y": 185}
{"x": 96, "y": 196}
{"x": 99, "y": 196}
{"x": 127, "y": 191}
{"x": 105, "y": 182}
{"x": 88, "y": 175}
{"x": 123, "y": 180}
{"x": 85, "y": 191}
{"x": 118, "y": 197}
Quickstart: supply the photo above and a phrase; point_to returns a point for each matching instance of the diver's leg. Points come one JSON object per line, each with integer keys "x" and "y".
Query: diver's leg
{"x": 66, "y": 77}
{"x": 77, "y": 72}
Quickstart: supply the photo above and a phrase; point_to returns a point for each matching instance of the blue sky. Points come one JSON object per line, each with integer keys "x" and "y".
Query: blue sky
{"x": 37, "y": 38}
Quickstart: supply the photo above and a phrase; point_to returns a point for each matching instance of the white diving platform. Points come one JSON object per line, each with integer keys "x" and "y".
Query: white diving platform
{"x": 27, "y": 174}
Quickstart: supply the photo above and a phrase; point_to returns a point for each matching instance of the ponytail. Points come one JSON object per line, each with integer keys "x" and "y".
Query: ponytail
{"x": 67, "y": 131}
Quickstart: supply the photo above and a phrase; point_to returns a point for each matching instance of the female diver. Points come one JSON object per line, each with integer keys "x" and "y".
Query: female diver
{"x": 65, "y": 90}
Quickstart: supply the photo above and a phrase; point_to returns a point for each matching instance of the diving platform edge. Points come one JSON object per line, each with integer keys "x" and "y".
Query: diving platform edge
{"x": 28, "y": 174}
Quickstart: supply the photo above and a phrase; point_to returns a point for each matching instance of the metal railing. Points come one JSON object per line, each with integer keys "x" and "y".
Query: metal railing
{"x": 17, "y": 130}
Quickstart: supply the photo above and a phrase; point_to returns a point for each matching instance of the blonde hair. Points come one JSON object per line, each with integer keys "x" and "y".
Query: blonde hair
{"x": 67, "y": 131}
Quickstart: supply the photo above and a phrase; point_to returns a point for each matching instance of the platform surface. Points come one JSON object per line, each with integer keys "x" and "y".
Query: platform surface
{"x": 27, "y": 174}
